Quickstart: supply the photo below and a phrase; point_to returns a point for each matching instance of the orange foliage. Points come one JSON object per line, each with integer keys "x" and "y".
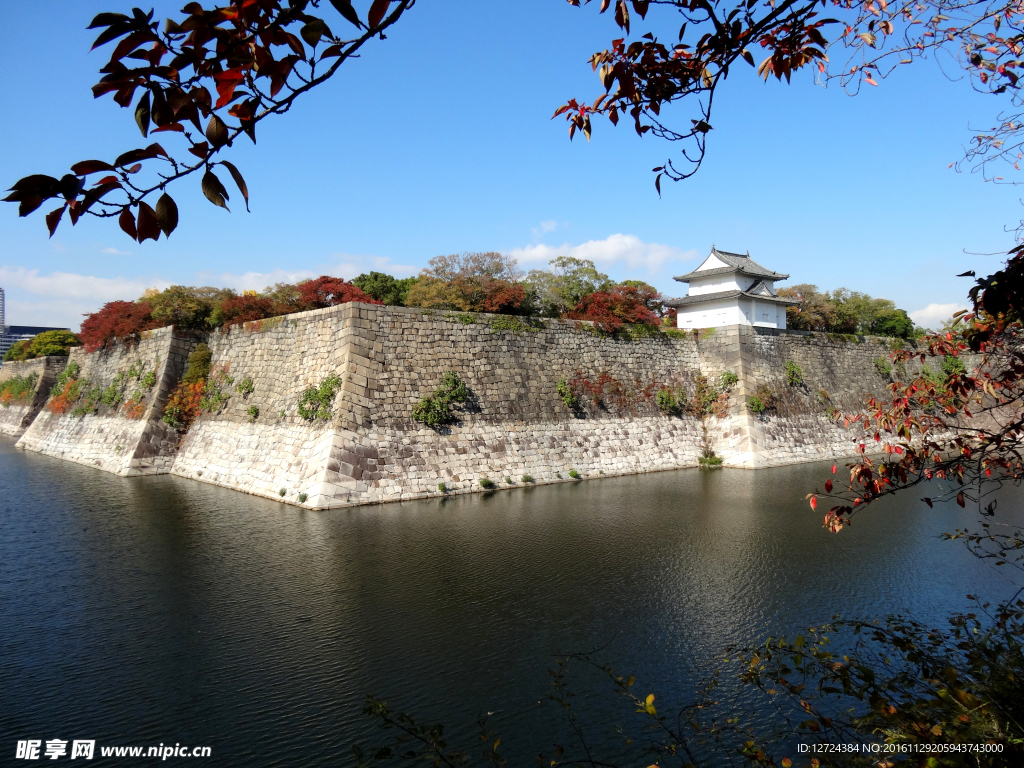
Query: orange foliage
{"x": 63, "y": 402}
{"x": 183, "y": 404}
{"x": 134, "y": 410}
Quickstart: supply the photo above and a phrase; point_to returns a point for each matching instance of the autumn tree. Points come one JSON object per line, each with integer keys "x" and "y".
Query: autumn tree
{"x": 470, "y": 282}
{"x": 202, "y": 81}
{"x": 845, "y": 311}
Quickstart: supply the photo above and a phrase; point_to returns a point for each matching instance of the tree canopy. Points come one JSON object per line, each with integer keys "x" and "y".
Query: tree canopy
{"x": 41, "y": 345}
{"x": 845, "y": 311}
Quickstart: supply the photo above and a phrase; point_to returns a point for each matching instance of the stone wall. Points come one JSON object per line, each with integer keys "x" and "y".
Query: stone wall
{"x": 15, "y": 417}
{"x": 513, "y": 424}
{"x": 124, "y": 435}
{"x": 513, "y": 428}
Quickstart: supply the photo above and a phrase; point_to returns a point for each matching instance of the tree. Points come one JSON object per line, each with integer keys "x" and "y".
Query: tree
{"x": 622, "y": 304}
{"x": 233, "y": 66}
{"x": 556, "y": 292}
{"x": 42, "y": 345}
{"x": 186, "y": 307}
{"x": 385, "y": 288}
{"x": 470, "y": 282}
{"x": 845, "y": 311}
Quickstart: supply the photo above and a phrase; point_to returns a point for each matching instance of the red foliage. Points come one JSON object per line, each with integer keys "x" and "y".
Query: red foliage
{"x": 245, "y": 308}
{"x": 622, "y": 304}
{"x": 327, "y": 291}
{"x": 503, "y": 297}
{"x": 63, "y": 402}
{"x": 116, "y": 320}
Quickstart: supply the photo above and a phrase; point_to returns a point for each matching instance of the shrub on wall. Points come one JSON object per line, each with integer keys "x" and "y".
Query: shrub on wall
{"x": 755, "y": 404}
{"x": 66, "y": 389}
{"x": 183, "y": 405}
{"x": 17, "y": 389}
{"x": 568, "y": 397}
{"x": 434, "y": 410}
{"x": 953, "y": 366}
{"x": 318, "y": 402}
{"x": 882, "y": 367}
{"x": 198, "y": 364}
{"x": 794, "y": 374}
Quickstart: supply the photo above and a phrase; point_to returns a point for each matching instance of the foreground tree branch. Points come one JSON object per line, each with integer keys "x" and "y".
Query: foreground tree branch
{"x": 232, "y": 66}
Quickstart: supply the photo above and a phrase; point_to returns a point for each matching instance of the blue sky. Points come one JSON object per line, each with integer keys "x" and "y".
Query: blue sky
{"x": 439, "y": 140}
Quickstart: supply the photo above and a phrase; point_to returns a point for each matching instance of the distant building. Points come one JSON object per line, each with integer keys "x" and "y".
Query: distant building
{"x": 9, "y": 334}
{"x": 731, "y": 289}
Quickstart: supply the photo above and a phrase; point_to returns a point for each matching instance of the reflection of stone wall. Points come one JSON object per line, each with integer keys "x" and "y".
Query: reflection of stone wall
{"x": 514, "y": 423}
{"x": 16, "y": 418}
{"x": 110, "y": 439}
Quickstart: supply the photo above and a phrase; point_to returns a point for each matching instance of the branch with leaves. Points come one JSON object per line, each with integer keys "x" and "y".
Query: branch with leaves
{"x": 644, "y": 77}
{"x": 232, "y": 66}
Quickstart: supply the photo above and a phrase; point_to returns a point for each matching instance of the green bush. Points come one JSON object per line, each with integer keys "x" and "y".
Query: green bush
{"x": 70, "y": 373}
{"x": 17, "y": 388}
{"x": 574, "y": 474}
{"x": 675, "y": 333}
{"x": 882, "y": 367}
{"x": 254, "y": 413}
{"x": 565, "y": 392}
{"x": 302, "y": 498}
{"x": 282, "y": 492}
{"x": 728, "y": 379}
{"x": 712, "y": 460}
{"x": 442, "y": 488}
{"x": 148, "y": 379}
{"x": 198, "y": 364}
{"x": 527, "y": 478}
{"x": 435, "y": 409}
{"x": 755, "y": 404}
{"x": 317, "y": 402}
{"x": 508, "y": 480}
{"x": 666, "y": 400}
{"x": 794, "y": 374}
{"x": 953, "y": 366}
{"x": 245, "y": 386}
{"x": 486, "y": 483}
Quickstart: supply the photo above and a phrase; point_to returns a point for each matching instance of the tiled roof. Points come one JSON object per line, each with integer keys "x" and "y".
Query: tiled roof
{"x": 699, "y": 298}
{"x": 738, "y": 262}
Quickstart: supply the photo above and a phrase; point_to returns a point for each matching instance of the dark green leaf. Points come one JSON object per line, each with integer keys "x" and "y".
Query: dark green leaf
{"x": 215, "y": 191}
{"x": 238, "y": 181}
{"x": 142, "y": 114}
{"x": 166, "y": 214}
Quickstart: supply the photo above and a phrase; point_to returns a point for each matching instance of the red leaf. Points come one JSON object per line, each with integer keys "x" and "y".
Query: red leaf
{"x": 226, "y": 83}
{"x": 927, "y": 501}
{"x": 814, "y": 502}
{"x": 86, "y": 167}
{"x": 833, "y": 469}
{"x": 53, "y": 219}
{"x": 378, "y": 10}
{"x": 960, "y": 499}
{"x": 127, "y": 222}
{"x": 828, "y": 486}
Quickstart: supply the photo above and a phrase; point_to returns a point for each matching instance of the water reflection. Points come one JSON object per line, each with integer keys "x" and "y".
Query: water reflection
{"x": 149, "y": 610}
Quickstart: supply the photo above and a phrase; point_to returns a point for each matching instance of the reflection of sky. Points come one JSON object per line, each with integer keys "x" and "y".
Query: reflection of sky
{"x": 158, "y": 609}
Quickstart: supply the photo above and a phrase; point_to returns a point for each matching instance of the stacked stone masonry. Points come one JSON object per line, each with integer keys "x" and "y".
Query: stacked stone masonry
{"x": 514, "y": 422}
{"x": 16, "y": 416}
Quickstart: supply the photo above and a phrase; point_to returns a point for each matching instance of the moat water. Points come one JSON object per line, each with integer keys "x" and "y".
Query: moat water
{"x": 159, "y": 610}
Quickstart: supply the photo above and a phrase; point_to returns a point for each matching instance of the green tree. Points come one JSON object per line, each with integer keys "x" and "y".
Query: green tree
{"x": 185, "y": 306}
{"x": 556, "y": 292}
{"x": 385, "y": 288}
{"x": 47, "y": 343}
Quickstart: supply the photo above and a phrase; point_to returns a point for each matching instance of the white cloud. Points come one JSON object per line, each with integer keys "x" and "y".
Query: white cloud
{"x": 627, "y": 250}
{"x": 341, "y": 265}
{"x": 71, "y": 285}
{"x": 64, "y": 296}
{"x": 934, "y": 315}
{"x": 545, "y": 226}
{"x": 115, "y": 252}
